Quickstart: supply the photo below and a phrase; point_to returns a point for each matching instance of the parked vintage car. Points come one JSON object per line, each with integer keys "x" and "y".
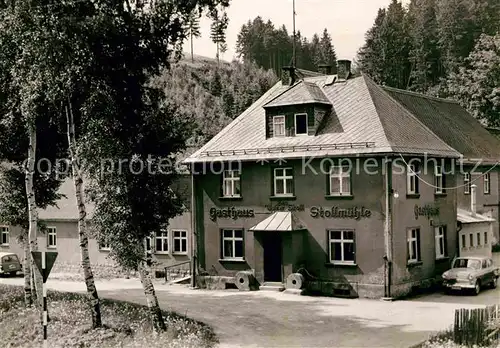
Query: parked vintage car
{"x": 471, "y": 273}
{"x": 9, "y": 264}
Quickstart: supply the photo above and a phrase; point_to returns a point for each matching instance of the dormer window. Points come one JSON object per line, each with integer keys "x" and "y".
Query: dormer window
{"x": 279, "y": 126}
{"x": 300, "y": 124}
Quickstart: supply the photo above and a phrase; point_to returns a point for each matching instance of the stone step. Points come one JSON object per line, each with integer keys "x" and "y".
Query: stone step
{"x": 272, "y": 286}
{"x": 183, "y": 280}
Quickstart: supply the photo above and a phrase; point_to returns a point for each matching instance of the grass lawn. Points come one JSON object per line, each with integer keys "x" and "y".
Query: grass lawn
{"x": 126, "y": 325}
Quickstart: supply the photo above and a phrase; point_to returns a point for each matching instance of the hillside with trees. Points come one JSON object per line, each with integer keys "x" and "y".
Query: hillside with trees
{"x": 271, "y": 47}
{"x": 213, "y": 93}
{"x": 446, "y": 48}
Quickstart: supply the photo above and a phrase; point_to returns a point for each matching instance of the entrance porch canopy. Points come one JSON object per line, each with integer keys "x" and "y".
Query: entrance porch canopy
{"x": 279, "y": 222}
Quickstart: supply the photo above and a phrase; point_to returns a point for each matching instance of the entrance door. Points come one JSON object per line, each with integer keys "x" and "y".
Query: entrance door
{"x": 272, "y": 257}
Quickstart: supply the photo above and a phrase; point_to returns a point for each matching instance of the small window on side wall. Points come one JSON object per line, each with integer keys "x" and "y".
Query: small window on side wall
{"x": 467, "y": 183}
{"x": 412, "y": 180}
{"x": 51, "y": 237}
{"x": 414, "y": 255}
{"x": 4, "y": 236}
{"x": 440, "y": 242}
{"x": 439, "y": 180}
{"x": 180, "y": 241}
{"x": 301, "y": 124}
{"x": 486, "y": 183}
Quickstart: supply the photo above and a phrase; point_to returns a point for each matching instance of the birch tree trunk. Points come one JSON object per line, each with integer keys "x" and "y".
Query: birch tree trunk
{"x": 151, "y": 299}
{"x": 28, "y": 299}
{"x": 33, "y": 213}
{"x": 93, "y": 297}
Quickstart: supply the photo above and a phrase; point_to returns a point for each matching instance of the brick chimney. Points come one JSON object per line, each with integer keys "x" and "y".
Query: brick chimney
{"x": 288, "y": 76}
{"x": 344, "y": 69}
{"x": 473, "y": 203}
{"x": 325, "y": 69}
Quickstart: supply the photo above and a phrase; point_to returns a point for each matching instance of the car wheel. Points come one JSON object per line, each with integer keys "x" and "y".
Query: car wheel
{"x": 493, "y": 283}
{"x": 477, "y": 288}
{"x": 13, "y": 274}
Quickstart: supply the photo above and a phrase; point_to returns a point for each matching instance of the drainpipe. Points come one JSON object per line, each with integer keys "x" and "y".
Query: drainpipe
{"x": 194, "y": 239}
{"x": 473, "y": 205}
{"x": 388, "y": 228}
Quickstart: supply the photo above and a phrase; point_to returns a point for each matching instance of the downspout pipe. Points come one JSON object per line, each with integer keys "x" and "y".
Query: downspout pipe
{"x": 194, "y": 239}
{"x": 388, "y": 228}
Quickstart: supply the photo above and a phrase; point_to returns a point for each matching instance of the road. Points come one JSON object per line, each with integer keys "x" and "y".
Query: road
{"x": 272, "y": 319}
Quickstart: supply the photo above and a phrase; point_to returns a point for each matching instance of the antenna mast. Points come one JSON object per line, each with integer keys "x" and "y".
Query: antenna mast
{"x": 294, "y": 57}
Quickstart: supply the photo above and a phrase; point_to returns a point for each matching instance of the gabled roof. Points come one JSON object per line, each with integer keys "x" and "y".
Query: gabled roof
{"x": 452, "y": 123}
{"x": 301, "y": 92}
{"x": 280, "y": 222}
{"x": 66, "y": 208}
{"x": 365, "y": 119}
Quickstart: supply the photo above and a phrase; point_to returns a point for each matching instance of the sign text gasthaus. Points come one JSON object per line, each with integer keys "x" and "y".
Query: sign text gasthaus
{"x": 427, "y": 211}
{"x": 335, "y": 212}
{"x": 230, "y": 213}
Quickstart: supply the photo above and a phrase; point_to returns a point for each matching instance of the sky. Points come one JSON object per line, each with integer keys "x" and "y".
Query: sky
{"x": 346, "y": 20}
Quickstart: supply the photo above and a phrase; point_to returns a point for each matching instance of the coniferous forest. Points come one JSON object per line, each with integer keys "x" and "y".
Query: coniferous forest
{"x": 445, "y": 48}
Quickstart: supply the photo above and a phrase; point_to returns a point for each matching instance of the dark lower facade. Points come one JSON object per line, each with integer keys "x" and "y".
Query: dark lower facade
{"x": 365, "y": 243}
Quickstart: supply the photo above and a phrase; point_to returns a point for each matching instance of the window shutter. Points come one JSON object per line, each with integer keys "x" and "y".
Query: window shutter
{"x": 221, "y": 241}
{"x": 328, "y": 247}
{"x": 328, "y": 190}
{"x": 444, "y": 182}
{"x": 445, "y": 240}
{"x": 243, "y": 242}
{"x": 419, "y": 256}
{"x": 289, "y": 124}
{"x": 407, "y": 245}
{"x": 272, "y": 181}
{"x": 311, "y": 122}
{"x": 417, "y": 180}
{"x": 354, "y": 245}
{"x": 221, "y": 183}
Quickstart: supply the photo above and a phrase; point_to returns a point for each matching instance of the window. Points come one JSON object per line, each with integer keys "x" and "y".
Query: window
{"x": 341, "y": 246}
{"x": 300, "y": 124}
{"x": 4, "y": 235}
{"x": 412, "y": 180}
{"x": 471, "y": 240}
{"x": 279, "y": 126}
{"x": 161, "y": 242}
{"x": 51, "y": 237}
{"x": 463, "y": 242}
{"x": 485, "y": 238}
{"x": 439, "y": 179}
{"x": 232, "y": 244}
{"x": 283, "y": 181}
{"x": 478, "y": 239}
{"x": 413, "y": 245}
{"x": 340, "y": 181}
{"x": 486, "y": 183}
{"x": 440, "y": 237}
{"x": 231, "y": 183}
{"x": 180, "y": 241}
{"x": 467, "y": 183}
